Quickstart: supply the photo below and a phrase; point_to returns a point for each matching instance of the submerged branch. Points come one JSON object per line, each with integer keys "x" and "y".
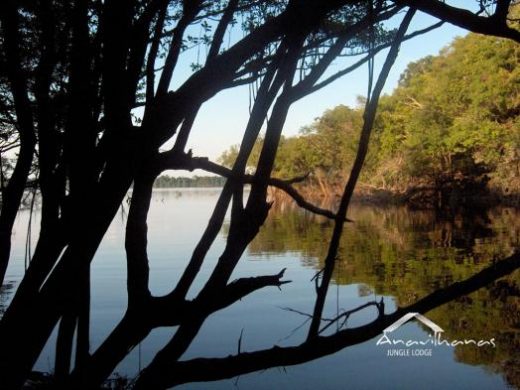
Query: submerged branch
{"x": 209, "y": 369}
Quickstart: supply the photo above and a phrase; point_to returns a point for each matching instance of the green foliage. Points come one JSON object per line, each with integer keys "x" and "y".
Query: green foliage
{"x": 451, "y": 125}
{"x": 454, "y": 118}
{"x": 324, "y": 148}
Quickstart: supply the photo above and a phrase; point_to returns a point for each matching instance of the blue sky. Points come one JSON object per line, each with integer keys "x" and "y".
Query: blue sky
{"x": 221, "y": 120}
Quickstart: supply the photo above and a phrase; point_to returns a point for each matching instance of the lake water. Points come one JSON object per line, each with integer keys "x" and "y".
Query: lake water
{"x": 393, "y": 253}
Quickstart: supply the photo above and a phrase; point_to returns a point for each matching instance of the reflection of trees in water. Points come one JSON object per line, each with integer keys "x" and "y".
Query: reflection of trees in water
{"x": 409, "y": 254}
{"x": 493, "y": 311}
{"x": 385, "y": 245}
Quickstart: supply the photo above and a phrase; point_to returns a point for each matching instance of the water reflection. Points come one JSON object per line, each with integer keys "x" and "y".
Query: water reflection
{"x": 409, "y": 254}
{"x": 386, "y": 252}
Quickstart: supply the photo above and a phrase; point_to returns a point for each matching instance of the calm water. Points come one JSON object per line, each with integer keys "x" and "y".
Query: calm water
{"x": 392, "y": 253}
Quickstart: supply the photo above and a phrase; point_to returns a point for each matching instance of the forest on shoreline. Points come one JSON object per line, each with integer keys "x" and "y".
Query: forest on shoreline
{"x": 448, "y": 135}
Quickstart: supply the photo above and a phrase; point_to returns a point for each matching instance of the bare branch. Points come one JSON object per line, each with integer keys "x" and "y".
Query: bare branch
{"x": 209, "y": 369}
{"x": 227, "y": 17}
{"x": 368, "y": 122}
{"x": 346, "y": 314}
{"x": 370, "y": 55}
{"x": 152, "y": 56}
{"x": 466, "y": 19}
{"x": 242, "y": 287}
{"x": 189, "y": 11}
{"x": 168, "y": 161}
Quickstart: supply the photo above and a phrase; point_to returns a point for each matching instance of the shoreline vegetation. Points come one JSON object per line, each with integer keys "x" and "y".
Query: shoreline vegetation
{"x": 420, "y": 198}
{"x": 448, "y": 136}
{"x": 414, "y": 197}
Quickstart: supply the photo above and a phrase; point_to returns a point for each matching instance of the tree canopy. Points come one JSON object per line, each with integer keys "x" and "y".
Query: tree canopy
{"x": 451, "y": 124}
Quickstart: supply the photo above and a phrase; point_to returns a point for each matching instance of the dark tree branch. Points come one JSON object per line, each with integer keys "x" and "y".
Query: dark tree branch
{"x": 192, "y": 163}
{"x": 136, "y": 241}
{"x": 79, "y": 146}
{"x": 210, "y": 369}
{"x": 243, "y": 228}
{"x": 227, "y": 63}
{"x": 223, "y": 24}
{"x": 242, "y": 7}
{"x": 205, "y": 304}
{"x": 256, "y": 204}
{"x": 115, "y": 24}
{"x": 187, "y": 124}
{"x": 369, "y": 56}
{"x": 189, "y": 11}
{"x": 501, "y": 11}
{"x": 171, "y": 309}
{"x": 13, "y": 192}
{"x": 266, "y": 94}
{"x": 152, "y": 57}
{"x": 140, "y": 34}
{"x": 47, "y": 147}
{"x": 306, "y": 85}
{"x": 125, "y": 148}
{"x": 346, "y": 314}
{"x": 63, "y": 353}
{"x": 496, "y": 26}
{"x": 368, "y": 122}
{"x": 240, "y": 288}
{"x": 80, "y": 141}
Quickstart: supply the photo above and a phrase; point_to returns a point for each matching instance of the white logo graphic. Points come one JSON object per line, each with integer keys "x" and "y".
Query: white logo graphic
{"x": 434, "y": 340}
{"x": 407, "y": 317}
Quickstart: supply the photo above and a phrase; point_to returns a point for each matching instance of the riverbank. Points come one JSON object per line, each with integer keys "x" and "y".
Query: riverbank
{"x": 418, "y": 197}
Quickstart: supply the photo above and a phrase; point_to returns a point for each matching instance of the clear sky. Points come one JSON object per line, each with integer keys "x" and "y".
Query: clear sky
{"x": 221, "y": 120}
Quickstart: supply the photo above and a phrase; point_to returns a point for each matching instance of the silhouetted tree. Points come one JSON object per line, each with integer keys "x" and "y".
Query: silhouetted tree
{"x": 73, "y": 74}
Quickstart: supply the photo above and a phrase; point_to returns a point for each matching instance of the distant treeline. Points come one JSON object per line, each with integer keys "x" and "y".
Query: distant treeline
{"x": 165, "y": 181}
{"x": 448, "y": 134}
